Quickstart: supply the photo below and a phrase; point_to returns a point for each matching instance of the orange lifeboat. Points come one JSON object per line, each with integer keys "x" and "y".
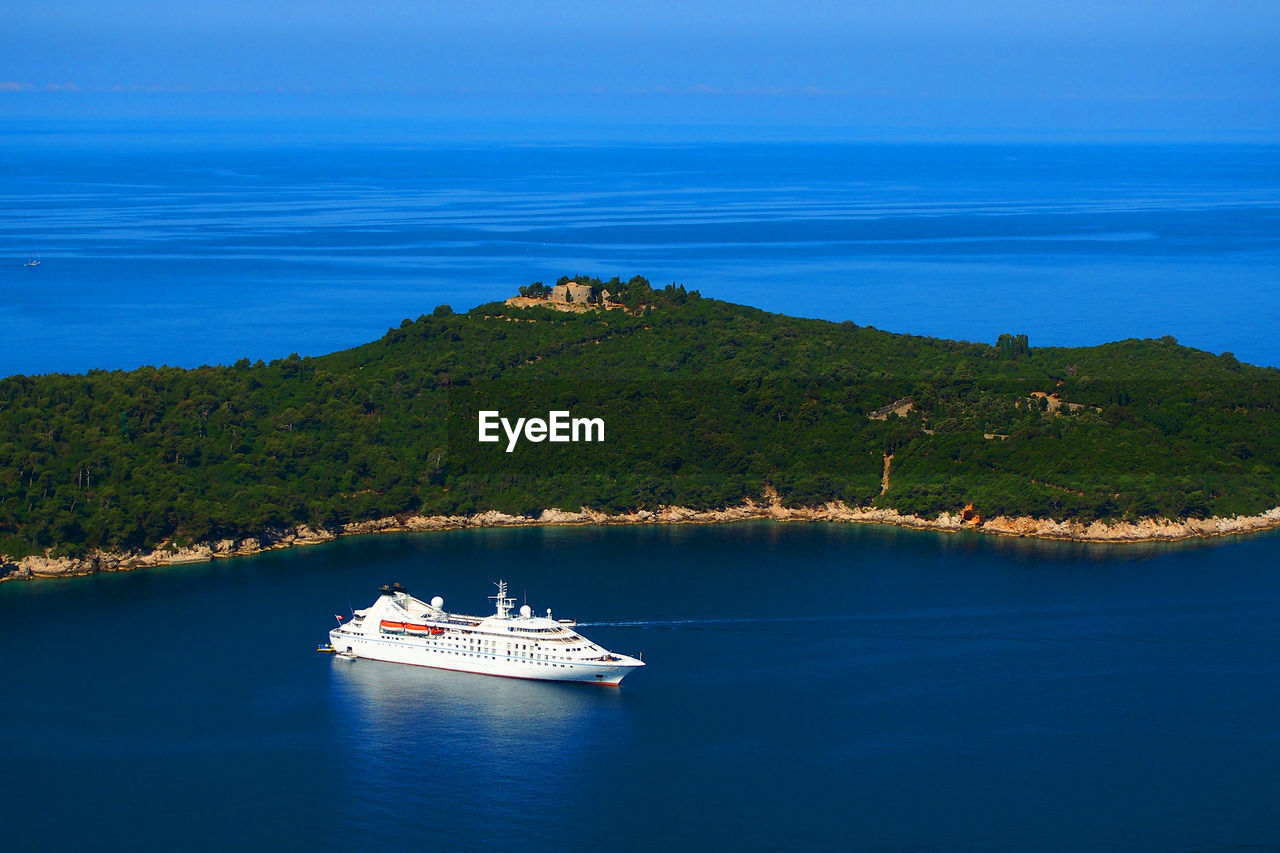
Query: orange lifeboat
{"x": 416, "y": 629}
{"x": 388, "y": 625}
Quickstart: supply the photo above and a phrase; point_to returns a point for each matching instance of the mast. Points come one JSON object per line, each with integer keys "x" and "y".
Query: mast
{"x": 503, "y": 603}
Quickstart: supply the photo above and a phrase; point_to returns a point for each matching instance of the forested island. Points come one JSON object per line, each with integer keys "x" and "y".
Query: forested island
{"x": 711, "y": 407}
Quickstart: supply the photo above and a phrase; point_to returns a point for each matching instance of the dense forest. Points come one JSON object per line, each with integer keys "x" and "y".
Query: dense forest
{"x": 706, "y": 404}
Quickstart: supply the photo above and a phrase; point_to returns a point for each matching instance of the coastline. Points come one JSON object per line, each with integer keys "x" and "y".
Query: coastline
{"x": 1143, "y": 530}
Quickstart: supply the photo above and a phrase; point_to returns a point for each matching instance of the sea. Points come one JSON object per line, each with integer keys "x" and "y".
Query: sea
{"x": 808, "y": 686}
{"x": 188, "y": 245}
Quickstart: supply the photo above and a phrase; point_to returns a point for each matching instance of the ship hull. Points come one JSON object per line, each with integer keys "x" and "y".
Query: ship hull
{"x": 416, "y": 651}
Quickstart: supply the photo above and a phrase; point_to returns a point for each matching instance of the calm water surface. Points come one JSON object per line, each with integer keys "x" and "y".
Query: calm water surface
{"x": 809, "y": 686}
{"x": 164, "y": 248}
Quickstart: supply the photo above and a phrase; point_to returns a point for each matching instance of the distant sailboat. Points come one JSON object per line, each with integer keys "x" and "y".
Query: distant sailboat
{"x": 32, "y": 262}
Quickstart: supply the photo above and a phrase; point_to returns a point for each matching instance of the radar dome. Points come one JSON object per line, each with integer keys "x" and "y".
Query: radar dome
{"x": 526, "y": 611}
{"x": 437, "y": 602}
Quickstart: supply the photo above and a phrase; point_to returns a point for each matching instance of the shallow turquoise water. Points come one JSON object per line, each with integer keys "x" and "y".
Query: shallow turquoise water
{"x": 815, "y": 686}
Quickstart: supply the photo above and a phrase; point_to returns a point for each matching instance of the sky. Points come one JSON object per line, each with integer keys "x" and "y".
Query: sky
{"x": 1093, "y": 69}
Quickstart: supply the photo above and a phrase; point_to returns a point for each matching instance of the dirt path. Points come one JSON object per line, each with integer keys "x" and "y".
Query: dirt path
{"x": 884, "y": 478}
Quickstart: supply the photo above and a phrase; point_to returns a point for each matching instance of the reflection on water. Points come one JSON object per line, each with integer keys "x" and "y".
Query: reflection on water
{"x": 410, "y": 731}
{"x": 389, "y": 699}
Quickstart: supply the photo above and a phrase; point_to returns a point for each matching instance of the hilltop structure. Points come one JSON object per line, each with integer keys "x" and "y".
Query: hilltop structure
{"x": 565, "y": 296}
{"x": 571, "y": 293}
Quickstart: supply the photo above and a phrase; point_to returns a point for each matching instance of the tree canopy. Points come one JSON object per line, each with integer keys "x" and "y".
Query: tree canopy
{"x": 706, "y": 404}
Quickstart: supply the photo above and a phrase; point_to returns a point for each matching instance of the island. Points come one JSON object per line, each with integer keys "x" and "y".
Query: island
{"x": 709, "y": 411}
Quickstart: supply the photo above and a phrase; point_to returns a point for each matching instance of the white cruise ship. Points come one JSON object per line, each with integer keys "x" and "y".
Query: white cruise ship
{"x": 403, "y": 629}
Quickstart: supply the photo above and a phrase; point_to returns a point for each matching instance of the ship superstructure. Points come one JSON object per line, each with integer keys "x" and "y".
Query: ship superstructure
{"x": 516, "y": 644}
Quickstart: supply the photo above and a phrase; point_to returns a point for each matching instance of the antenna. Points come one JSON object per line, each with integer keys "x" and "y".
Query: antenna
{"x": 503, "y": 603}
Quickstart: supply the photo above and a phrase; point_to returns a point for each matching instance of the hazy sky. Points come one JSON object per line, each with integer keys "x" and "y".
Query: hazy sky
{"x": 1088, "y": 67}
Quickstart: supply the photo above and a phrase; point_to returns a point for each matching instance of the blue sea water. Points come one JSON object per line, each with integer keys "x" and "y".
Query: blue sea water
{"x": 813, "y": 686}
{"x": 808, "y": 687}
{"x": 186, "y": 247}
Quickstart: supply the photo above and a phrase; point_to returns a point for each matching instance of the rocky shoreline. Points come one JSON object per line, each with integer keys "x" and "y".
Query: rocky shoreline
{"x": 1144, "y": 530}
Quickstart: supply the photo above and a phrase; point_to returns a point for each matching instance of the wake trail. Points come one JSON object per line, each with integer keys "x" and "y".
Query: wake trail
{"x": 732, "y": 622}
{"x": 726, "y": 620}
